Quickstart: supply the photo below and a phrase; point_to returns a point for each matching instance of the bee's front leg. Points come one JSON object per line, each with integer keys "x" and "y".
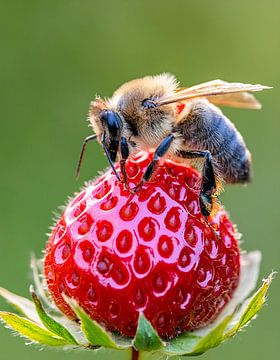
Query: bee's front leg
{"x": 124, "y": 155}
{"x": 159, "y": 153}
{"x": 106, "y": 151}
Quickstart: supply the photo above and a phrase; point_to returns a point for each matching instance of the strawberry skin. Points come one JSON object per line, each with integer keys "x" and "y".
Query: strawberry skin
{"x": 118, "y": 254}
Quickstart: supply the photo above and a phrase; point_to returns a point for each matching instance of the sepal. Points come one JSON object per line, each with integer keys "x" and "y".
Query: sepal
{"x": 249, "y": 310}
{"x": 31, "y": 331}
{"x": 146, "y": 338}
{"x": 51, "y": 324}
{"x": 95, "y": 334}
{"x": 24, "y": 306}
{"x": 191, "y": 344}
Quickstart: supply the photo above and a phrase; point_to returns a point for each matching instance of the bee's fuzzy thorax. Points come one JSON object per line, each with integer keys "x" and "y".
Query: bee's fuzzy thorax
{"x": 163, "y": 84}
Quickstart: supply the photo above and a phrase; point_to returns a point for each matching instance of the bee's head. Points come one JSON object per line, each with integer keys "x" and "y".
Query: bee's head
{"x": 138, "y": 103}
{"x": 135, "y": 112}
{"x": 107, "y": 125}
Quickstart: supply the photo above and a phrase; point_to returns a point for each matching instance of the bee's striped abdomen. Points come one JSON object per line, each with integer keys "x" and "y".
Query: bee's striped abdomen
{"x": 207, "y": 128}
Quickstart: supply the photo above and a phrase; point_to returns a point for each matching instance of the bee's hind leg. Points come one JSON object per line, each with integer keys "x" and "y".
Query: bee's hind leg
{"x": 208, "y": 186}
{"x": 159, "y": 153}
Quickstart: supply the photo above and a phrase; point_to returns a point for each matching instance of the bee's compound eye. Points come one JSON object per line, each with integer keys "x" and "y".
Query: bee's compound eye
{"x": 148, "y": 104}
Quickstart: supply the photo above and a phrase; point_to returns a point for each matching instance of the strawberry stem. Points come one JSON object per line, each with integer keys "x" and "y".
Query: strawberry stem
{"x": 135, "y": 354}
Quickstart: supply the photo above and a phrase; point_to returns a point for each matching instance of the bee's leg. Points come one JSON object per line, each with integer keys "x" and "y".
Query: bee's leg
{"x": 124, "y": 155}
{"x": 108, "y": 157}
{"x": 85, "y": 141}
{"x": 208, "y": 187}
{"x": 160, "y": 152}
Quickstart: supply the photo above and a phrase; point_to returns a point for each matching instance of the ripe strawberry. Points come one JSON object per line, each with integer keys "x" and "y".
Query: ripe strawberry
{"x": 118, "y": 254}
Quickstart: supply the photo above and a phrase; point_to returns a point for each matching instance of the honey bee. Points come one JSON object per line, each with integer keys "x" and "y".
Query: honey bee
{"x": 185, "y": 124}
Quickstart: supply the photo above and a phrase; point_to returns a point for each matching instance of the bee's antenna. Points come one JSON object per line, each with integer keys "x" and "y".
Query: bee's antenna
{"x": 85, "y": 141}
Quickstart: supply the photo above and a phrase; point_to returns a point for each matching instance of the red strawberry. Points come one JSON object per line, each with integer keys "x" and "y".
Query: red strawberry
{"x": 119, "y": 253}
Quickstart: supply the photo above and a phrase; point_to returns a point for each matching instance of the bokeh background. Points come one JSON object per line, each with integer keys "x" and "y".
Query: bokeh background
{"x": 56, "y": 55}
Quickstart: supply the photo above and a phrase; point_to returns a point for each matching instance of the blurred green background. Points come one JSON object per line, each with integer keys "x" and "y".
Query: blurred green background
{"x": 56, "y": 55}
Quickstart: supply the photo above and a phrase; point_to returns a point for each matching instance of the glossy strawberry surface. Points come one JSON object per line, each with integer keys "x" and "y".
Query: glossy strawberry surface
{"x": 118, "y": 254}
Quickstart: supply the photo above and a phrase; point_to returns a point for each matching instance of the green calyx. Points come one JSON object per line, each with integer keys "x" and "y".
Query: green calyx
{"x": 39, "y": 322}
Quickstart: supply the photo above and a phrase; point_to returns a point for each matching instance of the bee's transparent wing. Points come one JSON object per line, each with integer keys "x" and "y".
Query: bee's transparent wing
{"x": 220, "y": 93}
{"x": 242, "y": 100}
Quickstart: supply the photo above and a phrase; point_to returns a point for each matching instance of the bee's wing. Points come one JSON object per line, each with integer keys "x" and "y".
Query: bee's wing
{"x": 239, "y": 100}
{"x": 220, "y": 93}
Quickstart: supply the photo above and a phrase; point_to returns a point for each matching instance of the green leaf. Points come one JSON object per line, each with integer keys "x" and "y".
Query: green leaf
{"x": 95, "y": 334}
{"x": 250, "y": 309}
{"x": 23, "y": 305}
{"x": 50, "y": 323}
{"x": 31, "y": 330}
{"x": 146, "y": 338}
